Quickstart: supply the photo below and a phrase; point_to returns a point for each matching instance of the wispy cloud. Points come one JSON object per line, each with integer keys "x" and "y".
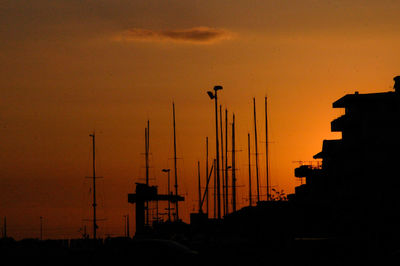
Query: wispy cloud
{"x": 200, "y": 35}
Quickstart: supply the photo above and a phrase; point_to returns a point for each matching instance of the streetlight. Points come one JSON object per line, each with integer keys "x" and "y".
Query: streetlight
{"x": 169, "y": 202}
{"x": 213, "y": 96}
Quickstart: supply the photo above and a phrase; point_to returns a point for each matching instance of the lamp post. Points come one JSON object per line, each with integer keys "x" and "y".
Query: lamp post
{"x": 169, "y": 193}
{"x": 213, "y": 96}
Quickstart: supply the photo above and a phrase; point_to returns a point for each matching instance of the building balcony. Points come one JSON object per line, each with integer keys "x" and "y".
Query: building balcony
{"x": 306, "y": 171}
{"x": 339, "y": 124}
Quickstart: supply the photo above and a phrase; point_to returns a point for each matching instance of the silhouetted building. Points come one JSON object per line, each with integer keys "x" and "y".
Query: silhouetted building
{"x": 359, "y": 182}
{"x": 145, "y": 193}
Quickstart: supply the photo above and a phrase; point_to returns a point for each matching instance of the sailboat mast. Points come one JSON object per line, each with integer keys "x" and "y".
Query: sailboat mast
{"x": 256, "y": 146}
{"x": 146, "y": 149}
{"x": 94, "y": 184}
{"x": 226, "y": 164}
{"x": 175, "y": 168}
{"x": 198, "y": 172}
{"x": 233, "y": 166}
{"x": 266, "y": 150}
{"x": 215, "y": 189}
{"x": 147, "y": 142}
{"x": 207, "y": 176}
{"x": 222, "y": 161}
{"x": 248, "y": 149}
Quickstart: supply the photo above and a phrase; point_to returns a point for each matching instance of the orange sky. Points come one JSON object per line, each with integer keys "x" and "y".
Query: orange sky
{"x": 69, "y": 67}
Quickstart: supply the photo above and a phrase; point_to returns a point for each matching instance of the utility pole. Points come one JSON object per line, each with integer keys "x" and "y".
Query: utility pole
{"x": 249, "y": 160}
{"x": 256, "y": 146}
{"x": 233, "y": 166}
{"x": 175, "y": 168}
{"x": 94, "y": 185}
{"x": 266, "y": 151}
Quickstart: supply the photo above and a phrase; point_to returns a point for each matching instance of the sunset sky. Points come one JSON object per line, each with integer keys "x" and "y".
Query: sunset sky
{"x": 70, "y": 67}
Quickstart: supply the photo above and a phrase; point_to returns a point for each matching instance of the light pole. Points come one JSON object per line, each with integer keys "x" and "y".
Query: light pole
{"x": 169, "y": 202}
{"x": 213, "y": 96}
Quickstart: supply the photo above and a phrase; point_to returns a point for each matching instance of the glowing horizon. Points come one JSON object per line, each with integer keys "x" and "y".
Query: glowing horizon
{"x": 63, "y": 75}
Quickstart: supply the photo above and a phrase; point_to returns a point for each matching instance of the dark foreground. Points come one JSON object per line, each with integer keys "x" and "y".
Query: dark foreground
{"x": 123, "y": 251}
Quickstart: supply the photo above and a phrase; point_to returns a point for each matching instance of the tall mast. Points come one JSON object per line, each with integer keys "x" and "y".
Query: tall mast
{"x": 147, "y": 142}
{"x": 169, "y": 194}
{"x": 215, "y": 189}
{"x": 198, "y": 172}
{"x": 146, "y": 153}
{"x": 175, "y": 169}
{"x": 222, "y": 160}
{"x": 207, "y": 207}
{"x": 256, "y": 146}
{"x": 94, "y": 185}
{"x": 226, "y": 163}
{"x": 233, "y": 166}
{"x": 248, "y": 148}
{"x": 266, "y": 150}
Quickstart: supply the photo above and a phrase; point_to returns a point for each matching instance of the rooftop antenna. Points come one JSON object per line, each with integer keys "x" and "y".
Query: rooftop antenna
{"x": 248, "y": 148}
{"x": 266, "y": 150}
{"x": 94, "y": 184}
{"x": 256, "y": 146}
{"x": 175, "y": 168}
{"x": 233, "y": 166}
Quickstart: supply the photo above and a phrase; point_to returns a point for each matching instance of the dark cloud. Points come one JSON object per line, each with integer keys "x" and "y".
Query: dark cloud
{"x": 195, "y": 35}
